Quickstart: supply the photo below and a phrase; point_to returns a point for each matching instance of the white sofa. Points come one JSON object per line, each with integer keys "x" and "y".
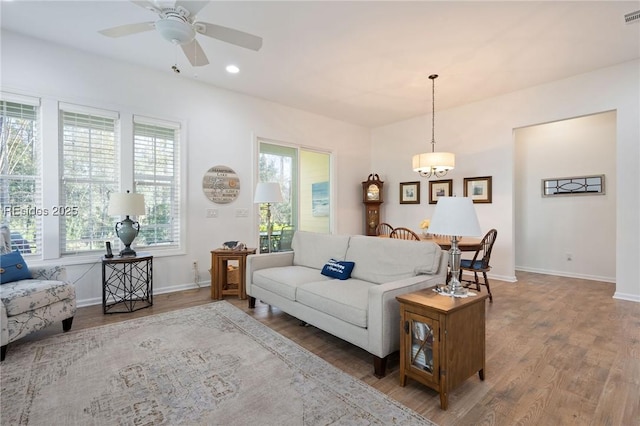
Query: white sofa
{"x": 363, "y": 309}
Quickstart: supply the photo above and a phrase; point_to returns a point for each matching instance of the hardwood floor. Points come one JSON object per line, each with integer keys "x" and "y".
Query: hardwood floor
{"x": 560, "y": 351}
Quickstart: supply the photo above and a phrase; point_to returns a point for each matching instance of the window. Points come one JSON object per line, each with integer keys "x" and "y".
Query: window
{"x": 156, "y": 175}
{"x": 20, "y": 172}
{"x": 89, "y": 171}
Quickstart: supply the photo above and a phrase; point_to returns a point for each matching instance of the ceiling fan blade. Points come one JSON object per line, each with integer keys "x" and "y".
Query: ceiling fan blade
{"x": 128, "y": 29}
{"x": 146, "y": 5}
{"x": 229, "y": 35}
{"x": 192, "y": 6}
{"x": 194, "y": 53}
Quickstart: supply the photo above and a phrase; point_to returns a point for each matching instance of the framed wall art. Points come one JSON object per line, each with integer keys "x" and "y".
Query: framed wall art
{"x": 478, "y": 189}
{"x": 409, "y": 192}
{"x": 439, "y": 188}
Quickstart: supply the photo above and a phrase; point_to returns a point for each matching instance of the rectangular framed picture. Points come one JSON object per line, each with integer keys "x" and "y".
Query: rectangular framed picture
{"x": 409, "y": 192}
{"x": 439, "y": 188}
{"x": 478, "y": 189}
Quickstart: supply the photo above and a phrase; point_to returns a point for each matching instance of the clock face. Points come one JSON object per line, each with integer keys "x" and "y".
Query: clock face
{"x": 373, "y": 193}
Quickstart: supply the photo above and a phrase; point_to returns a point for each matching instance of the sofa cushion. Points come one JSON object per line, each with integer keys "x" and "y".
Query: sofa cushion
{"x": 345, "y": 300}
{"x": 13, "y": 268}
{"x": 382, "y": 260}
{"x": 340, "y": 269}
{"x": 312, "y": 249}
{"x": 28, "y": 295}
{"x": 284, "y": 280}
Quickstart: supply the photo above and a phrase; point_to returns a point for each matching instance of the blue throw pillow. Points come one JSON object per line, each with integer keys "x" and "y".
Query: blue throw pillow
{"x": 339, "y": 269}
{"x": 13, "y": 268}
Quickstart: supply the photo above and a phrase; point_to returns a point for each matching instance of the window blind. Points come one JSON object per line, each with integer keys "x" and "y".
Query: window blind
{"x": 21, "y": 172}
{"x": 89, "y": 172}
{"x": 157, "y": 176}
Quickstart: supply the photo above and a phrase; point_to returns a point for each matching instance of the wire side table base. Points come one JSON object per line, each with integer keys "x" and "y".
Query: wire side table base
{"x": 127, "y": 283}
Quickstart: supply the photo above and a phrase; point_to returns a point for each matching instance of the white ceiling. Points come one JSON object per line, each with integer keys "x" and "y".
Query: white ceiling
{"x": 363, "y": 62}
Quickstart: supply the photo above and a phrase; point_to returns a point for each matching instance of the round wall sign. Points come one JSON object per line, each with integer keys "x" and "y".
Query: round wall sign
{"x": 221, "y": 184}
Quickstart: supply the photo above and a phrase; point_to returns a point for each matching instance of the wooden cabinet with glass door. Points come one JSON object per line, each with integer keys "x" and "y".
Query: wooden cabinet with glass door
{"x": 442, "y": 340}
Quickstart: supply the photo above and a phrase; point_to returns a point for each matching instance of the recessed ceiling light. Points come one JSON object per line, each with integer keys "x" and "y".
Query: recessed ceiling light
{"x": 232, "y": 69}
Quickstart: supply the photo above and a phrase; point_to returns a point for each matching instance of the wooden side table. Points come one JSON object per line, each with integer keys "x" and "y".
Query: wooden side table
{"x": 443, "y": 340}
{"x": 127, "y": 283}
{"x": 219, "y": 263}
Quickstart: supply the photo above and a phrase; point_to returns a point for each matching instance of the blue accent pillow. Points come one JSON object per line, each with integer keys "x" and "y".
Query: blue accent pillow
{"x": 340, "y": 269}
{"x": 13, "y": 268}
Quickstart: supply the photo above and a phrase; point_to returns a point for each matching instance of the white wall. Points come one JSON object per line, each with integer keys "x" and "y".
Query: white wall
{"x": 221, "y": 129}
{"x": 582, "y": 226}
{"x": 481, "y": 135}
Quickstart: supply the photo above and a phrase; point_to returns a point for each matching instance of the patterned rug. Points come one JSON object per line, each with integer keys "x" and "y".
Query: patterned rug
{"x": 207, "y": 365}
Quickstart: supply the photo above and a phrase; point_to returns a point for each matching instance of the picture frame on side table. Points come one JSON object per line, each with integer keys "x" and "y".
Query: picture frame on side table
{"x": 410, "y": 192}
{"x": 478, "y": 189}
{"x": 440, "y": 188}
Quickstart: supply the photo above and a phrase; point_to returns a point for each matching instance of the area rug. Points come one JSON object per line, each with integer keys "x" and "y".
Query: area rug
{"x": 207, "y": 365}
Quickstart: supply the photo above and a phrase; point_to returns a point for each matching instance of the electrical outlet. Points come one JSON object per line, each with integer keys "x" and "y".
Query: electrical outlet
{"x": 195, "y": 264}
{"x": 242, "y": 212}
{"x": 212, "y": 213}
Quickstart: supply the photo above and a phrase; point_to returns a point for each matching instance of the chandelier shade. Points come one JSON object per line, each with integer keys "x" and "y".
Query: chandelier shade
{"x": 429, "y": 163}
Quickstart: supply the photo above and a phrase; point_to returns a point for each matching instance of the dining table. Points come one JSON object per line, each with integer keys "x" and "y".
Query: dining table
{"x": 464, "y": 243}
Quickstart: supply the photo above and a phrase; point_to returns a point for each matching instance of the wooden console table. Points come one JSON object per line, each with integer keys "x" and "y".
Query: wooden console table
{"x": 219, "y": 266}
{"x": 443, "y": 340}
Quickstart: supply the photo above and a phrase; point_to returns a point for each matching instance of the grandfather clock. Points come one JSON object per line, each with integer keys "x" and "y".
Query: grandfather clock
{"x": 372, "y": 198}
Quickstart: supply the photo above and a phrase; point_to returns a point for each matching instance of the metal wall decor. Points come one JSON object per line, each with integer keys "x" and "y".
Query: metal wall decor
{"x": 578, "y": 185}
{"x": 221, "y": 184}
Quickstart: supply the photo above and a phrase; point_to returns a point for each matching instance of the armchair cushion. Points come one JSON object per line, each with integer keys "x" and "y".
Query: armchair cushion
{"x": 28, "y": 295}
{"x": 13, "y": 268}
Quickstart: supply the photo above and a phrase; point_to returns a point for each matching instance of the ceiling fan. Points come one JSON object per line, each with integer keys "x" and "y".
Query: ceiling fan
{"x": 177, "y": 24}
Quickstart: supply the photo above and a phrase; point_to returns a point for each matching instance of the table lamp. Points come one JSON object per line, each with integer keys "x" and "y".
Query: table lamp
{"x": 455, "y": 216}
{"x": 127, "y": 204}
{"x": 268, "y": 192}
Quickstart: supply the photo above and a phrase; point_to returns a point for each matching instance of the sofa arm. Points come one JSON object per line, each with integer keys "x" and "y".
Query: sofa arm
{"x": 384, "y": 311}
{"x": 53, "y": 273}
{"x": 256, "y": 262}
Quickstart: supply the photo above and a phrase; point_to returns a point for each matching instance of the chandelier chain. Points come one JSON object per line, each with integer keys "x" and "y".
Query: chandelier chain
{"x": 433, "y": 111}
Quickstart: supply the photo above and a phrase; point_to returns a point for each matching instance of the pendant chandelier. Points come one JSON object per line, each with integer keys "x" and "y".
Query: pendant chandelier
{"x": 433, "y": 163}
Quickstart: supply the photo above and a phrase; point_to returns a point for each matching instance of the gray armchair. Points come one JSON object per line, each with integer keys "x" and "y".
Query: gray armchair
{"x": 31, "y": 305}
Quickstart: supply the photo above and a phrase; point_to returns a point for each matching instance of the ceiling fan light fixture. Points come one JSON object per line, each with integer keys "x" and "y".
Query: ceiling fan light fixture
{"x": 175, "y": 31}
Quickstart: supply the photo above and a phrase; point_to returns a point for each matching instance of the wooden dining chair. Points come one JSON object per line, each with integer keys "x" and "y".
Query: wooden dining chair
{"x": 404, "y": 234}
{"x": 384, "y": 229}
{"x": 480, "y": 263}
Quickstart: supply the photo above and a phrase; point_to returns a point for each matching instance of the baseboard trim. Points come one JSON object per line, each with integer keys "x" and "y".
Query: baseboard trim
{"x": 82, "y": 303}
{"x": 567, "y": 274}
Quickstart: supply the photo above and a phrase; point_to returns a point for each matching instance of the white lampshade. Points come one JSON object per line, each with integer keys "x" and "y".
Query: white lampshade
{"x": 438, "y": 161}
{"x": 128, "y": 204}
{"x": 268, "y": 192}
{"x": 455, "y": 216}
